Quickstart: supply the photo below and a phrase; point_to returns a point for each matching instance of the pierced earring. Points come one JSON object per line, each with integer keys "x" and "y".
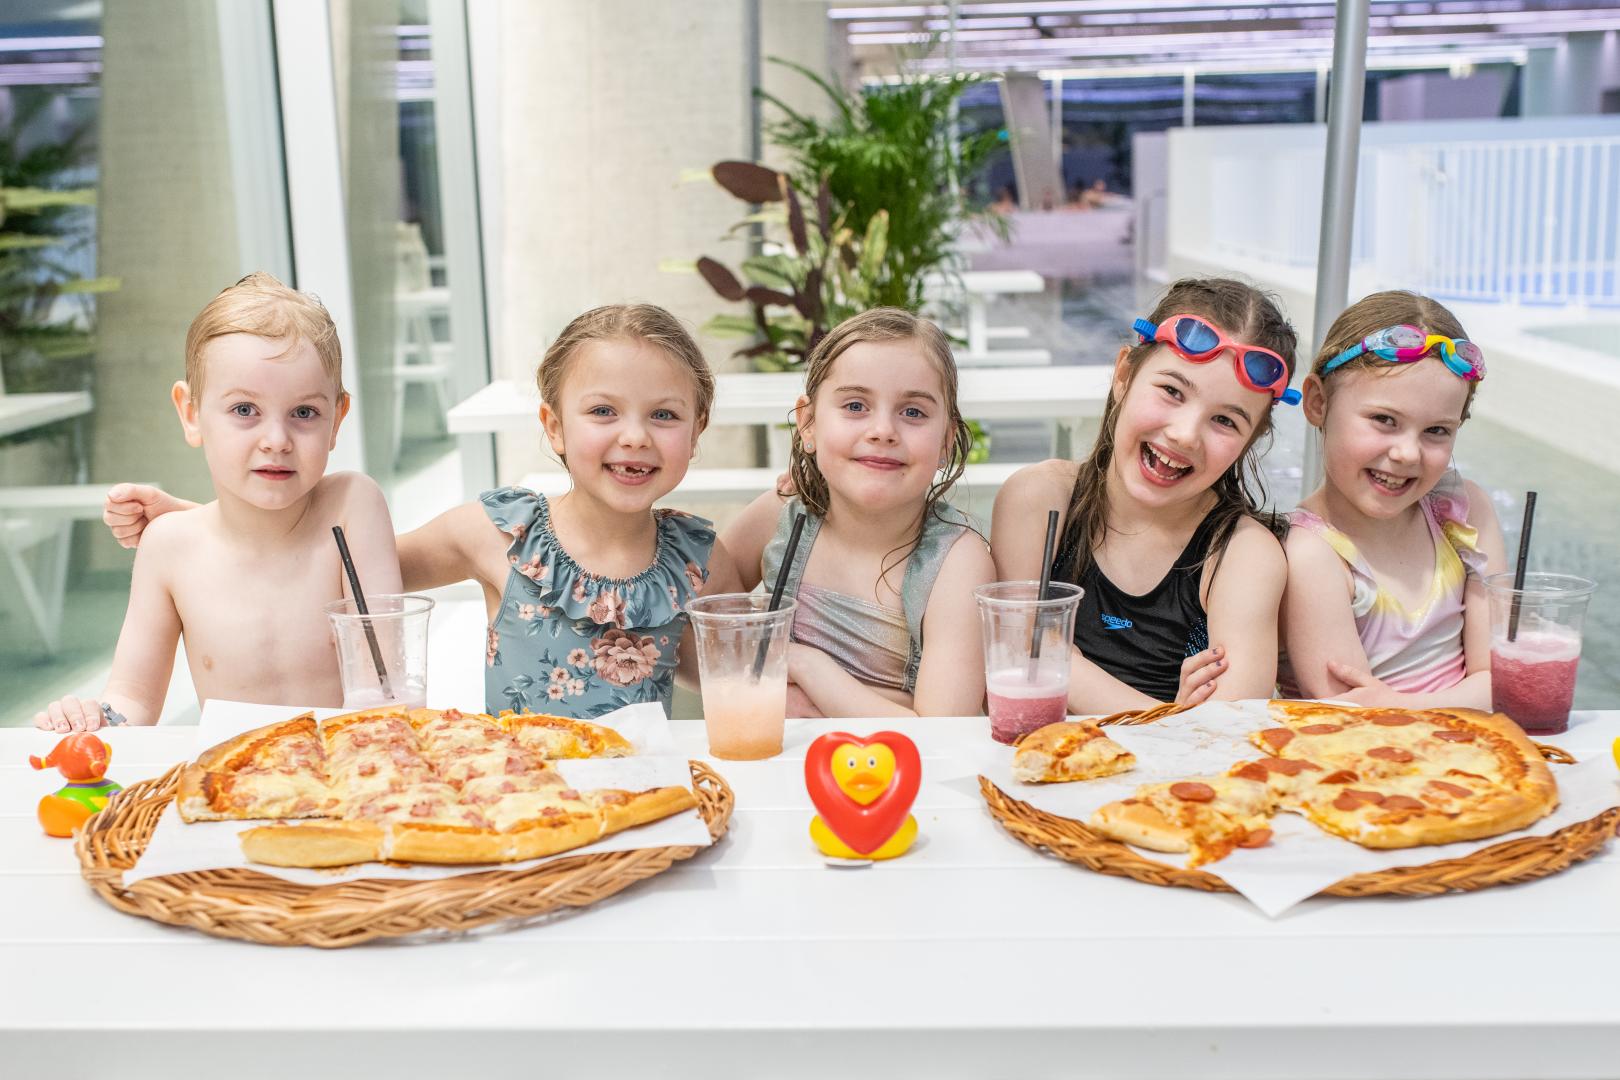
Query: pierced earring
{"x": 809, "y": 447}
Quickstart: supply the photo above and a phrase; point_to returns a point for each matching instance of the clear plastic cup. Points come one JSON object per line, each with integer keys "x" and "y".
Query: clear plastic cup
{"x": 1026, "y": 653}
{"x": 382, "y": 655}
{"x": 742, "y": 651}
{"x": 1536, "y": 647}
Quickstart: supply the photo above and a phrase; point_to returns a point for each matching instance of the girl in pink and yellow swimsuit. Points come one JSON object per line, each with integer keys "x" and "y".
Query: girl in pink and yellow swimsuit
{"x": 1385, "y": 603}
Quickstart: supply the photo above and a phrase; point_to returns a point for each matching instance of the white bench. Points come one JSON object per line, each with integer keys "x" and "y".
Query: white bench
{"x": 42, "y": 518}
{"x": 975, "y": 288}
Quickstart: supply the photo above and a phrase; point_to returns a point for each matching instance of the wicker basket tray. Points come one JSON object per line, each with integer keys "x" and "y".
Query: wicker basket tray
{"x": 257, "y": 907}
{"x": 1507, "y": 863}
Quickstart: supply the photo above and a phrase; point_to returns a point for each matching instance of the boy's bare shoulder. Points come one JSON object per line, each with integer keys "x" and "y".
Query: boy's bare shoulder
{"x": 340, "y": 490}
{"x": 175, "y": 531}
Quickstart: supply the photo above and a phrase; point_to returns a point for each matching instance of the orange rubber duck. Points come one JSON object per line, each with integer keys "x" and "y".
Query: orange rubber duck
{"x": 82, "y": 759}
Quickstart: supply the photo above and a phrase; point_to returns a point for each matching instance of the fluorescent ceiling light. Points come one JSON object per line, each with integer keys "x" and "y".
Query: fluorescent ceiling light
{"x": 48, "y": 44}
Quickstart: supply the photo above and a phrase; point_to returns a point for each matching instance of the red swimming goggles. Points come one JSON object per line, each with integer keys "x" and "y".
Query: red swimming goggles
{"x": 1197, "y": 341}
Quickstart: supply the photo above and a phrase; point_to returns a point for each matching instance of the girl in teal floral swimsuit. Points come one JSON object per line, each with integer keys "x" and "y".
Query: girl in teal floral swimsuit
{"x": 587, "y": 593}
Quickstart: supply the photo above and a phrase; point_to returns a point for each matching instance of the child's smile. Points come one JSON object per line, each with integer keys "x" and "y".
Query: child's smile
{"x": 1388, "y": 434}
{"x": 879, "y": 424}
{"x": 626, "y": 423}
{"x": 1162, "y": 466}
{"x": 1185, "y": 421}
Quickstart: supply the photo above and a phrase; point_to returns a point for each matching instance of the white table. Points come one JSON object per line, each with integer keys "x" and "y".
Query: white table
{"x": 972, "y": 956}
{"x": 978, "y": 286}
{"x": 1067, "y": 394}
{"x": 20, "y": 412}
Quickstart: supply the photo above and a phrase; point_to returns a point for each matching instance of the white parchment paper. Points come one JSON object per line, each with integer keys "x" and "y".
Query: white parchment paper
{"x": 1301, "y": 859}
{"x": 178, "y": 848}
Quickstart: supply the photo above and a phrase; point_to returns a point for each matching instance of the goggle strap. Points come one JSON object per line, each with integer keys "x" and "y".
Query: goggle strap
{"x": 1291, "y": 396}
{"x": 1144, "y": 329}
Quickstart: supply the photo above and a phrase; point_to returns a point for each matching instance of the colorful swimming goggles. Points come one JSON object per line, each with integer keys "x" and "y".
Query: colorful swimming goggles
{"x": 1405, "y": 343}
{"x": 1195, "y": 340}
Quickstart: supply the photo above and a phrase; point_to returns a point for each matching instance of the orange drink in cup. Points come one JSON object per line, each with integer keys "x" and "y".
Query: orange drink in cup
{"x": 742, "y": 661}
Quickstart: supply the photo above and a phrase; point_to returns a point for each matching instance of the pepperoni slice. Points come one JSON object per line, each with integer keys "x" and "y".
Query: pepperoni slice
{"x": 1252, "y": 771}
{"x": 1390, "y": 753}
{"x": 1402, "y": 802}
{"x": 1455, "y": 736}
{"x": 1320, "y": 729}
{"x": 1288, "y": 767}
{"x": 1343, "y": 776}
{"x": 1451, "y": 789}
{"x": 1393, "y": 719}
{"x": 1191, "y": 791}
{"x": 1374, "y": 797}
{"x": 1257, "y": 838}
{"x": 1346, "y": 803}
{"x": 1276, "y": 737}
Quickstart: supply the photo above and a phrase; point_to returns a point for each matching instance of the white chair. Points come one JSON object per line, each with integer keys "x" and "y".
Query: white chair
{"x": 36, "y": 537}
{"x": 419, "y": 359}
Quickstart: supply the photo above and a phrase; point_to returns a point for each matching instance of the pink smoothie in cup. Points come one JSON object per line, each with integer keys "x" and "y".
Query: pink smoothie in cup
{"x": 1019, "y": 706}
{"x": 1533, "y": 680}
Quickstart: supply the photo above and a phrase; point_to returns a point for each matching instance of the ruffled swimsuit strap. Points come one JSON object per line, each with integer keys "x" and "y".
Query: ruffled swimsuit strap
{"x": 1447, "y": 508}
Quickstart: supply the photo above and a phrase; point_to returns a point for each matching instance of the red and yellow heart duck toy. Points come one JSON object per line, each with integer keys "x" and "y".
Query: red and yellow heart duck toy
{"x": 863, "y": 790}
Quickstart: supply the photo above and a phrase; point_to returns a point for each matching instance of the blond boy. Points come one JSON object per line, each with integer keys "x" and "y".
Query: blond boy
{"x": 244, "y": 578}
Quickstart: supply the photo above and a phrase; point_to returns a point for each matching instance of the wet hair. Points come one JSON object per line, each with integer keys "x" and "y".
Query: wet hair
{"x": 627, "y": 322}
{"x": 261, "y": 305}
{"x": 878, "y": 325}
{"x": 1373, "y": 313}
{"x": 1246, "y": 314}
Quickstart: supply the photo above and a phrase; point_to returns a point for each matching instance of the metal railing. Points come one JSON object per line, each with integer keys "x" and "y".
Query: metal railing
{"x": 1515, "y": 221}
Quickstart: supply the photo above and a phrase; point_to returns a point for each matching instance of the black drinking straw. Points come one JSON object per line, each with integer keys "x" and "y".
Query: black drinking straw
{"x": 1046, "y": 581}
{"x": 776, "y": 592}
{"x": 360, "y": 606}
{"x": 1524, "y": 558}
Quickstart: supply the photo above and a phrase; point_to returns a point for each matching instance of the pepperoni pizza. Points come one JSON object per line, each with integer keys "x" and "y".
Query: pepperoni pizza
{"x": 1382, "y": 778}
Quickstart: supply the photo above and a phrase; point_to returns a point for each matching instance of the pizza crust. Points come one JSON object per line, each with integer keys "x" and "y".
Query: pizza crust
{"x": 389, "y": 768}
{"x": 1069, "y": 750}
{"x": 203, "y": 783}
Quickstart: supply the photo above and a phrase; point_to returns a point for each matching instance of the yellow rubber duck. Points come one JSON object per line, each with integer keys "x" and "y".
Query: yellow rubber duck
{"x": 863, "y": 773}
{"x": 1617, "y": 753}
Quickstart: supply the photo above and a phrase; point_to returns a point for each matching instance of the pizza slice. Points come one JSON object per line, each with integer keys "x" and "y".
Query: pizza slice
{"x": 270, "y": 772}
{"x": 557, "y": 737}
{"x": 1069, "y": 750}
{"x": 1207, "y": 816}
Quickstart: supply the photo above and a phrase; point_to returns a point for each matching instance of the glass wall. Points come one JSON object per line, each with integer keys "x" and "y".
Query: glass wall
{"x": 140, "y": 161}
{"x": 413, "y": 219}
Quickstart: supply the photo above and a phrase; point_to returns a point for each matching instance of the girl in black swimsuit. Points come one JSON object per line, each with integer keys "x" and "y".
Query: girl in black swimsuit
{"x": 1168, "y": 496}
